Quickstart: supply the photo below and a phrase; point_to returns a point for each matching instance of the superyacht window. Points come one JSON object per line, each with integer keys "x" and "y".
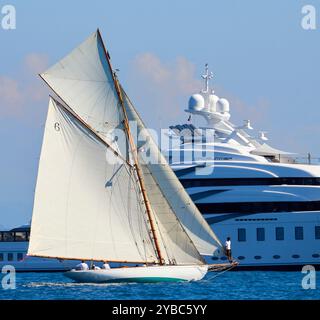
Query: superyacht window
{"x": 317, "y": 232}
{"x": 260, "y": 234}
{"x": 1, "y": 256}
{"x": 241, "y": 234}
{"x": 249, "y": 181}
{"x": 14, "y": 236}
{"x": 258, "y": 207}
{"x": 8, "y": 236}
{"x": 10, "y": 256}
{"x": 20, "y": 256}
{"x": 279, "y": 233}
{"x": 298, "y": 233}
{"x": 20, "y": 236}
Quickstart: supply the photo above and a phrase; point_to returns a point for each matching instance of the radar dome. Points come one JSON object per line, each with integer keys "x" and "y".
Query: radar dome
{"x": 213, "y": 99}
{"x": 224, "y": 105}
{"x": 196, "y": 102}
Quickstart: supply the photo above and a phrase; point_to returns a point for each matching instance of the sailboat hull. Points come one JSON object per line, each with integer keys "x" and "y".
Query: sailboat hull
{"x": 140, "y": 274}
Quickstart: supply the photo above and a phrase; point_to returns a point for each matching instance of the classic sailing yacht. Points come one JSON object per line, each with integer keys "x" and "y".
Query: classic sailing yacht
{"x": 101, "y": 195}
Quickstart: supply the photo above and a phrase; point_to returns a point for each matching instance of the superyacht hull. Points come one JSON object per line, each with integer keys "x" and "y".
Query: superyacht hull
{"x": 279, "y": 241}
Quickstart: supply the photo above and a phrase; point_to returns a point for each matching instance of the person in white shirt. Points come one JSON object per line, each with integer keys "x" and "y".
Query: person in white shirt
{"x": 82, "y": 266}
{"x": 228, "y": 249}
{"x": 106, "y": 265}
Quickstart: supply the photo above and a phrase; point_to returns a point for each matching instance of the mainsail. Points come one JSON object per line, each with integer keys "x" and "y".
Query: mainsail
{"x": 92, "y": 203}
{"x": 85, "y": 207}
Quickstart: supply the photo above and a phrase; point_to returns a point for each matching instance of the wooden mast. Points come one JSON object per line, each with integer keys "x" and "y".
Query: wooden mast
{"x": 135, "y": 157}
{"x": 141, "y": 181}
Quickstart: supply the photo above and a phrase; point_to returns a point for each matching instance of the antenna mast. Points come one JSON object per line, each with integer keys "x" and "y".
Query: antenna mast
{"x": 207, "y": 77}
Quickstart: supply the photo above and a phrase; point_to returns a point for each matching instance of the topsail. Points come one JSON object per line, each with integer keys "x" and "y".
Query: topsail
{"x": 84, "y": 81}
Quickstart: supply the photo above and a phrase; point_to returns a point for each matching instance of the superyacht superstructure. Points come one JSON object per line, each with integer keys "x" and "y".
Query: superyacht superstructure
{"x": 13, "y": 252}
{"x": 266, "y": 201}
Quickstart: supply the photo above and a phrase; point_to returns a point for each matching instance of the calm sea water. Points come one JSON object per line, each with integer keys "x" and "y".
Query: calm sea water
{"x": 230, "y": 285}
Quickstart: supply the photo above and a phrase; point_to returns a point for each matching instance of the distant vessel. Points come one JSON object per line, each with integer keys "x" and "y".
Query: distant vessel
{"x": 261, "y": 197}
{"x": 13, "y": 249}
{"x": 99, "y": 200}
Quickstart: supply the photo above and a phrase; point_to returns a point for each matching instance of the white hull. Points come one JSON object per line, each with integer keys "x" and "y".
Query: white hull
{"x": 14, "y": 253}
{"x": 240, "y": 211}
{"x": 286, "y": 254}
{"x": 140, "y": 274}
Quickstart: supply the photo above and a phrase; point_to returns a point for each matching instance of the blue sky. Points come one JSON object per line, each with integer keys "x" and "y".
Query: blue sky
{"x": 263, "y": 61}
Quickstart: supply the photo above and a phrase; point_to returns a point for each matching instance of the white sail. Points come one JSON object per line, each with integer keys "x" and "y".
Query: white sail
{"x": 85, "y": 207}
{"x": 83, "y": 80}
{"x": 168, "y": 195}
{"x": 175, "y": 244}
{"x": 89, "y": 208}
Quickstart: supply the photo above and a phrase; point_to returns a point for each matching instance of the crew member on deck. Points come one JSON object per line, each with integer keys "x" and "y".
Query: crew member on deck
{"x": 228, "y": 249}
{"x": 82, "y": 266}
{"x": 106, "y": 265}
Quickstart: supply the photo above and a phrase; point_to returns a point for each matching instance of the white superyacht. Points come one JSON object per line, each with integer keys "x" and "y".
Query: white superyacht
{"x": 13, "y": 252}
{"x": 261, "y": 197}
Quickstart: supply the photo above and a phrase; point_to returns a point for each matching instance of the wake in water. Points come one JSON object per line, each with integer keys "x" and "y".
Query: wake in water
{"x": 72, "y": 284}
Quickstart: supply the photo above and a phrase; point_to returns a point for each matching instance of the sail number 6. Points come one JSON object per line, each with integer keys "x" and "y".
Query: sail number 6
{"x": 57, "y": 126}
